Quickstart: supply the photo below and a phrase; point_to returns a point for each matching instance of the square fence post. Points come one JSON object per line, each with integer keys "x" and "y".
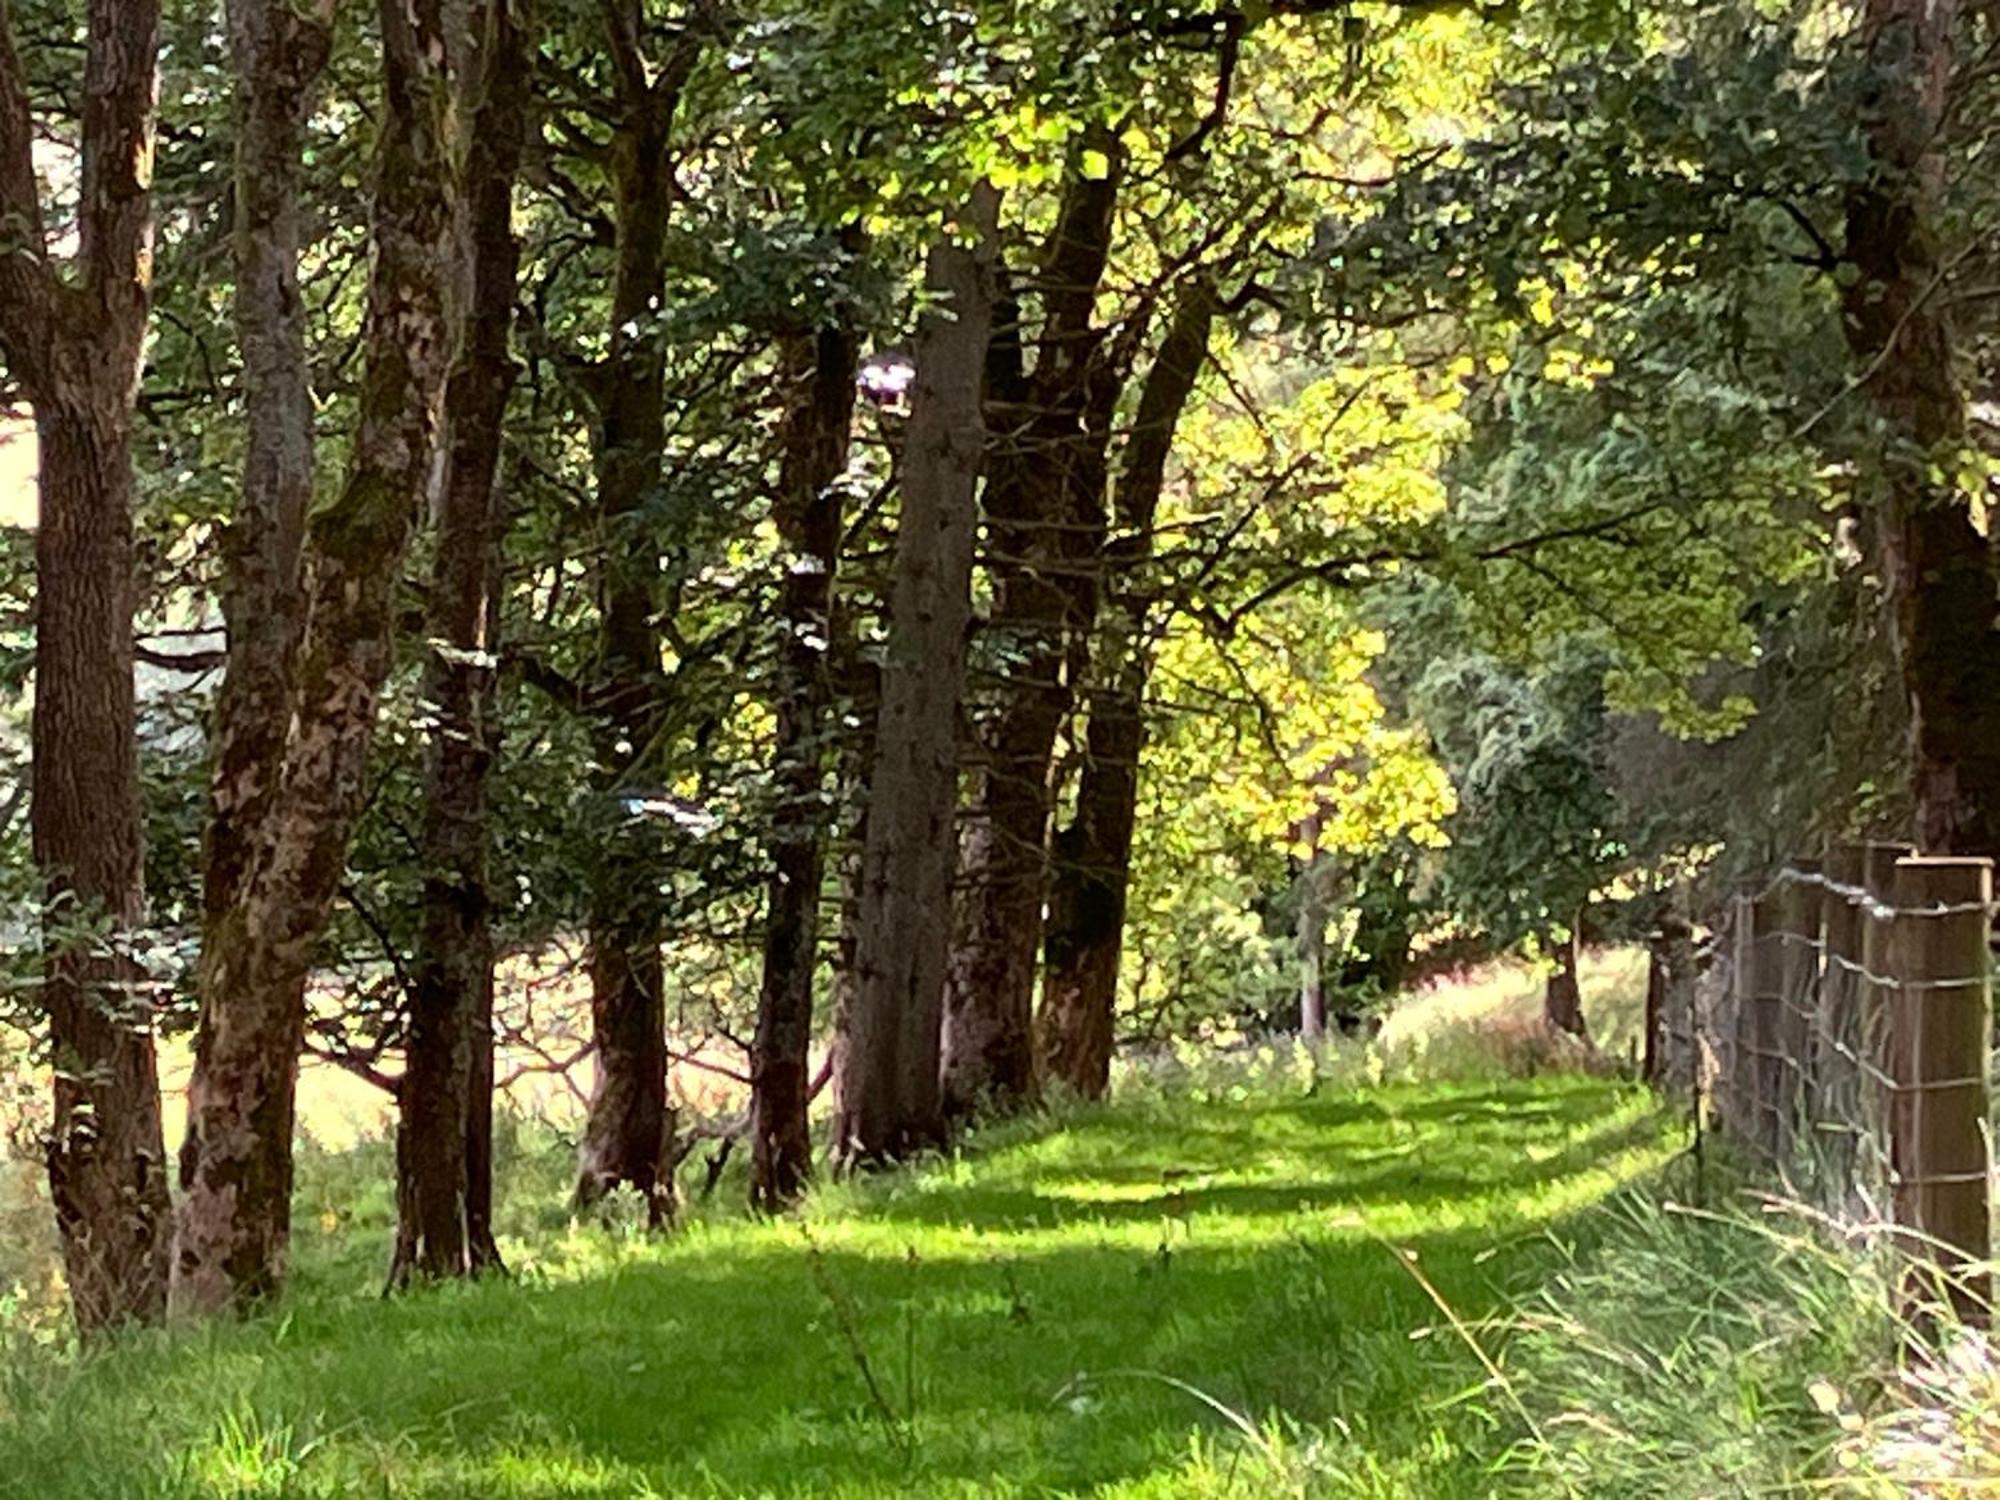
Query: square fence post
{"x": 1739, "y": 1104}
{"x": 1798, "y": 963}
{"x": 1767, "y": 1019}
{"x": 1943, "y": 1014}
{"x": 1879, "y": 1063}
{"x": 1837, "y": 1117}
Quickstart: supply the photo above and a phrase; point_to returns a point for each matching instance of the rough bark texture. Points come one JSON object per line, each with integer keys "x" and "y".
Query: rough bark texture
{"x": 1562, "y": 997}
{"x": 889, "y": 1095}
{"x": 1942, "y": 573}
{"x": 452, "y": 970}
{"x": 74, "y": 347}
{"x": 1094, "y": 851}
{"x": 1045, "y": 488}
{"x": 820, "y": 373}
{"x": 235, "y": 1219}
{"x": 629, "y": 1124}
{"x": 277, "y": 56}
{"x": 106, "y": 1155}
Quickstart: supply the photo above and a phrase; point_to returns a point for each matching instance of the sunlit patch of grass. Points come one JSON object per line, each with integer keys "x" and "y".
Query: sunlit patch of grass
{"x": 956, "y": 1330}
{"x": 1447, "y": 1019}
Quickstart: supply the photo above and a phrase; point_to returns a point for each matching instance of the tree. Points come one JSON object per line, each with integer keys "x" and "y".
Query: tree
{"x": 444, "y": 1143}
{"x": 1944, "y": 580}
{"x": 1094, "y": 849}
{"x": 819, "y": 376}
{"x": 627, "y": 1137}
{"x": 1051, "y": 422}
{"x": 74, "y": 343}
{"x": 890, "y": 1104}
{"x": 235, "y": 1218}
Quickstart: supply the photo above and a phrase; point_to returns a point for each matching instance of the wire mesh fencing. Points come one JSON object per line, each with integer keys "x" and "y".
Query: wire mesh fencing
{"x": 1837, "y": 1027}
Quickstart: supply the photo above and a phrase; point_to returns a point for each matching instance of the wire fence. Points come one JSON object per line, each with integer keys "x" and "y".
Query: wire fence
{"x": 1837, "y": 1027}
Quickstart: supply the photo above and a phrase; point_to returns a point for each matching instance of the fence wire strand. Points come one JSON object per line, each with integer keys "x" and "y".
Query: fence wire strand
{"x": 1794, "y": 1029}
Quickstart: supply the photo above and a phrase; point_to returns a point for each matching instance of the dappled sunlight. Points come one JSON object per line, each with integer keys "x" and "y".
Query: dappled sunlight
{"x": 1242, "y": 1249}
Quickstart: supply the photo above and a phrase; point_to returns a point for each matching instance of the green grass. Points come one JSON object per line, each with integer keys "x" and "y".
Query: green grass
{"x": 1192, "y": 1293}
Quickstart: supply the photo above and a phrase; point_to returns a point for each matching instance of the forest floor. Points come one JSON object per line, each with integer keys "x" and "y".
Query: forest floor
{"x": 1095, "y": 1304}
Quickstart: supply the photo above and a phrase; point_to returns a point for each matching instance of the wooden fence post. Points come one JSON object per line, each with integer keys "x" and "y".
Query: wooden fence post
{"x": 1879, "y": 1064}
{"x": 1945, "y": 1010}
{"x": 1740, "y": 1075}
{"x": 1798, "y": 958}
{"x": 1767, "y": 1006}
{"x": 1840, "y": 1046}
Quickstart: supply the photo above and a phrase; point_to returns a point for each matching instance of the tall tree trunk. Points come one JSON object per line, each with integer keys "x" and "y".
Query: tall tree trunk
{"x": 628, "y": 1127}
{"x": 1094, "y": 852}
{"x": 453, "y": 966}
{"x": 1942, "y": 572}
{"x": 277, "y": 56}
{"x": 820, "y": 374}
{"x": 1045, "y": 483}
{"x": 1562, "y": 996}
{"x": 890, "y": 1103}
{"x": 235, "y": 1220}
{"x": 106, "y": 1155}
{"x": 75, "y": 348}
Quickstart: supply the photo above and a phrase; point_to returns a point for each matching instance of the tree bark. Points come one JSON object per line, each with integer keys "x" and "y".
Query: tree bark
{"x": 235, "y": 1219}
{"x": 890, "y": 1100}
{"x": 1562, "y": 997}
{"x": 1094, "y": 852}
{"x": 106, "y": 1153}
{"x": 277, "y": 56}
{"x": 1942, "y": 573}
{"x": 452, "y": 972}
{"x": 1044, "y": 488}
{"x": 625, "y": 1135}
{"x": 820, "y": 374}
{"x": 75, "y": 348}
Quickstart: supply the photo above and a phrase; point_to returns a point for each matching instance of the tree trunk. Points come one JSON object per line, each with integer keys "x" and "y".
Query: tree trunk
{"x": 453, "y": 965}
{"x": 235, "y": 1219}
{"x": 1941, "y": 571}
{"x": 277, "y": 56}
{"x": 1094, "y": 852}
{"x": 1562, "y": 997}
{"x": 106, "y": 1154}
{"x": 75, "y": 349}
{"x": 1312, "y": 951}
{"x": 629, "y": 1129}
{"x": 1045, "y": 481}
{"x": 629, "y": 1123}
{"x": 890, "y": 1101}
{"x": 481, "y": 1246}
{"x": 820, "y": 375}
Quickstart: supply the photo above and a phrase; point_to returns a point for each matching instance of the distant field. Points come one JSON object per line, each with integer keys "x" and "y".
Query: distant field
{"x": 1507, "y": 996}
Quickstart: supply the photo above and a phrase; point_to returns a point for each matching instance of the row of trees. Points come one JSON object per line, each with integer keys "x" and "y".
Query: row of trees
{"x": 931, "y": 491}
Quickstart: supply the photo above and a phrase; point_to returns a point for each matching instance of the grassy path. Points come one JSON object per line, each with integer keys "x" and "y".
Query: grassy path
{"x": 1021, "y": 1314}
